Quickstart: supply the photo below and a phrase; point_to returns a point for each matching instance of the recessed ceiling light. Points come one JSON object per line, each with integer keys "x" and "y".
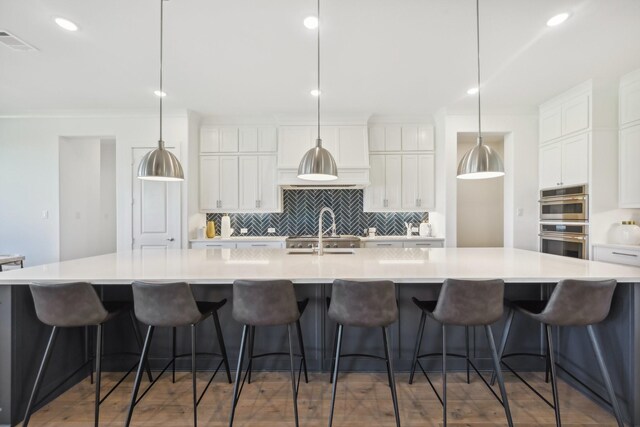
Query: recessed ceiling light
{"x": 472, "y": 91}
{"x": 66, "y": 24}
{"x": 159, "y": 93}
{"x": 311, "y": 22}
{"x": 558, "y": 19}
{"x": 315, "y": 92}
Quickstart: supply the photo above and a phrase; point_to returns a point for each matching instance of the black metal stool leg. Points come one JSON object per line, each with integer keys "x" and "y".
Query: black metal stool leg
{"x": 466, "y": 348}
{"x": 547, "y": 366}
{"x": 41, "y": 371}
{"x": 136, "y": 331}
{"x": 444, "y": 375}
{"x": 416, "y": 352}
{"x": 252, "y": 337}
{"x": 223, "y": 348}
{"x": 193, "y": 375}
{"x": 333, "y": 352}
{"x": 554, "y": 383}
{"x": 99, "y": 336}
{"x": 87, "y": 352}
{"x": 503, "y": 341}
{"x": 605, "y": 375}
{"x": 236, "y": 385}
{"x": 498, "y": 371}
{"x": 173, "y": 355}
{"x": 293, "y": 376}
{"x": 336, "y": 367}
{"x": 136, "y": 384}
{"x": 304, "y": 356}
{"x": 392, "y": 381}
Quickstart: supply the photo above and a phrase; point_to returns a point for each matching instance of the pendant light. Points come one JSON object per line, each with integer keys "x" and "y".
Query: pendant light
{"x": 481, "y": 161}
{"x": 318, "y": 164}
{"x": 160, "y": 164}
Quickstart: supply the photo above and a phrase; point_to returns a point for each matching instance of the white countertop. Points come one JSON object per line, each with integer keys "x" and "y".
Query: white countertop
{"x": 401, "y": 265}
{"x": 243, "y": 239}
{"x": 402, "y": 238}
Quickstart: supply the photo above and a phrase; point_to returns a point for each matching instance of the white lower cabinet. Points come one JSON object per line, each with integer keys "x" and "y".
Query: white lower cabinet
{"x": 277, "y": 245}
{"x": 236, "y": 245}
{"x": 382, "y": 244}
{"x": 424, "y": 244}
{"x": 405, "y": 244}
{"x": 617, "y": 255}
{"x": 213, "y": 245}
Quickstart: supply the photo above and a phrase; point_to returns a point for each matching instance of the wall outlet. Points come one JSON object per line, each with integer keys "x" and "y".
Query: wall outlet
{"x": 45, "y": 214}
{"x": 244, "y": 230}
{"x": 519, "y": 212}
{"x": 271, "y": 230}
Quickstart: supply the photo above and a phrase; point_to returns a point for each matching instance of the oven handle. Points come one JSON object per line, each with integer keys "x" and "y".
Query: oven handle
{"x": 564, "y": 237}
{"x": 562, "y": 199}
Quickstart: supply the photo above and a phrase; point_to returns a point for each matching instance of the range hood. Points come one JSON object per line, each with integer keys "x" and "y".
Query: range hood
{"x": 348, "y": 179}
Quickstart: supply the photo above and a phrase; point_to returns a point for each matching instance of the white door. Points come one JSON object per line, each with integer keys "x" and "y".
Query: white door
{"x": 293, "y": 142}
{"x": 155, "y": 210}
{"x": 550, "y": 164}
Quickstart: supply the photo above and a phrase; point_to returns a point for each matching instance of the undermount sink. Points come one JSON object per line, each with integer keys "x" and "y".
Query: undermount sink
{"x": 326, "y": 252}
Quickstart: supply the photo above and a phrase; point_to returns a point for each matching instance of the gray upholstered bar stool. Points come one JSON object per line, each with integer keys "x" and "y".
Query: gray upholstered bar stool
{"x": 264, "y": 303}
{"x": 572, "y": 303}
{"x": 369, "y": 305}
{"x": 68, "y": 305}
{"x": 173, "y": 305}
{"x": 465, "y": 303}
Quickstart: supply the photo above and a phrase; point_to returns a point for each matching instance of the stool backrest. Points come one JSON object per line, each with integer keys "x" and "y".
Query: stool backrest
{"x": 67, "y": 304}
{"x": 165, "y": 304}
{"x": 470, "y": 302}
{"x": 579, "y": 302}
{"x": 366, "y": 304}
{"x": 264, "y": 302}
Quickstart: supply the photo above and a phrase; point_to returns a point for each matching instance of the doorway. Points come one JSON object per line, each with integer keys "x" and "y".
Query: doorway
{"x": 480, "y": 203}
{"x": 87, "y": 185}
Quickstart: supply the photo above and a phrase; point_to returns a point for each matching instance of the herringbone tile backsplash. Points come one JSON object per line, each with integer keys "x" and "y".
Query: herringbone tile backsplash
{"x": 300, "y": 215}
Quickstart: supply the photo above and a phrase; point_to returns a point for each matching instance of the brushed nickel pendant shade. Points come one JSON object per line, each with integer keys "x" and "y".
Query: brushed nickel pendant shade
{"x": 160, "y": 164}
{"x": 481, "y": 161}
{"x": 318, "y": 164}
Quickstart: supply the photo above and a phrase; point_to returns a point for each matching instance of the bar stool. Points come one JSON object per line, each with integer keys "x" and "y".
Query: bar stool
{"x": 572, "y": 303}
{"x": 264, "y": 303}
{"x": 369, "y": 305}
{"x": 68, "y": 305}
{"x": 302, "y": 305}
{"x": 464, "y": 303}
{"x": 173, "y": 305}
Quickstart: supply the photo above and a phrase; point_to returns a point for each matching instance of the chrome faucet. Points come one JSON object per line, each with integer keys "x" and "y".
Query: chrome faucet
{"x": 320, "y": 232}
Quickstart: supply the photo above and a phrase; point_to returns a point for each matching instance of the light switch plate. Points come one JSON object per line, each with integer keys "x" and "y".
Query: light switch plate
{"x": 271, "y": 230}
{"x": 244, "y": 230}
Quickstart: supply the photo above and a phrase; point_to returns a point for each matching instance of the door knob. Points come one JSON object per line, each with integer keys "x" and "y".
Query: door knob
{"x": 171, "y": 239}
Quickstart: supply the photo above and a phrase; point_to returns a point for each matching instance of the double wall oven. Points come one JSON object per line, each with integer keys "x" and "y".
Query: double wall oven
{"x": 564, "y": 221}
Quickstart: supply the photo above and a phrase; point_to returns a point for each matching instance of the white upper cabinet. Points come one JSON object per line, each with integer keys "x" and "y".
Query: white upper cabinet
{"x": 575, "y": 115}
{"x": 397, "y": 138}
{"x": 248, "y": 182}
{"x": 259, "y": 191}
{"x": 565, "y": 115}
{"x": 550, "y": 162}
{"x": 550, "y": 123}
{"x": 426, "y": 139}
{"x": 229, "y": 140}
{"x": 219, "y": 183}
{"x": 565, "y": 162}
{"x": 352, "y": 150}
{"x": 267, "y": 139}
{"x": 248, "y": 139}
{"x": 630, "y": 99}
{"x": 234, "y": 139}
{"x": 629, "y": 179}
{"x": 293, "y": 142}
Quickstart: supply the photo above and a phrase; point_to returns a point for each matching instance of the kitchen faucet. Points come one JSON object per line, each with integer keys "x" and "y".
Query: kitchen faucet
{"x": 320, "y": 232}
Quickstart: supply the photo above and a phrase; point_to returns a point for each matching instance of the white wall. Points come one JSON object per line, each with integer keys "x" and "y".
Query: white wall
{"x": 29, "y": 174}
{"x": 480, "y": 208}
{"x": 521, "y": 171}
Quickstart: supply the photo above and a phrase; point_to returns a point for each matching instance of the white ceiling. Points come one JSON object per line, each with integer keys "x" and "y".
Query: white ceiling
{"x": 254, "y": 57}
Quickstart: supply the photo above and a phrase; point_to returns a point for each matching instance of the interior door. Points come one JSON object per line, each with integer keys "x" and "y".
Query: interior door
{"x": 155, "y": 210}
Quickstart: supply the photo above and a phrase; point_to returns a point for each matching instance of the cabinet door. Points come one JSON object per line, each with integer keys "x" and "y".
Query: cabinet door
{"x": 392, "y": 138}
{"x": 374, "y": 193}
{"x": 293, "y": 142}
{"x": 575, "y": 160}
{"x": 550, "y": 123}
{"x": 329, "y": 135}
{"x": 229, "y": 140}
{"x": 352, "y": 147}
{"x": 376, "y": 138}
{"x": 630, "y": 103}
{"x": 209, "y": 140}
{"x": 550, "y": 165}
{"x": 409, "y": 138}
{"x": 423, "y": 244}
{"x": 629, "y": 167}
{"x": 426, "y": 140}
{"x": 410, "y": 181}
{"x": 426, "y": 181}
{"x": 383, "y": 244}
{"x": 575, "y": 115}
{"x": 248, "y": 140}
{"x": 269, "y": 196}
{"x": 267, "y": 139}
{"x": 248, "y": 183}
{"x": 393, "y": 182}
{"x": 228, "y": 182}
{"x": 209, "y": 182}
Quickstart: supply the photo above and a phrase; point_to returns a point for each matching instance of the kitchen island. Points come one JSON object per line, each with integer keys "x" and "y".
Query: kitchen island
{"x": 418, "y": 272}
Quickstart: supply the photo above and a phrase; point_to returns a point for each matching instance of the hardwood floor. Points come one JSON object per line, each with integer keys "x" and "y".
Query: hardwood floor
{"x": 363, "y": 400}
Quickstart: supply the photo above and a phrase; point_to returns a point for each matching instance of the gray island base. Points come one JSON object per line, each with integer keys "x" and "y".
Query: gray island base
{"x": 417, "y": 272}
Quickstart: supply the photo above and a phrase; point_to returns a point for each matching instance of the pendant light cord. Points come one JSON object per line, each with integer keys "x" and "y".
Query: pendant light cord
{"x": 478, "y": 40}
{"x": 161, "y": 40}
{"x": 319, "y": 92}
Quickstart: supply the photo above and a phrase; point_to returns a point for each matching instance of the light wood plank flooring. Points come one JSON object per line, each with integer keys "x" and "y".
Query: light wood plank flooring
{"x": 363, "y": 400}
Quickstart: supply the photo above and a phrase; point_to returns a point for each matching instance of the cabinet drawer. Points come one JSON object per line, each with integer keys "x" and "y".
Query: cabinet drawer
{"x": 383, "y": 244}
{"x": 618, "y": 256}
{"x": 242, "y": 245}
{"x": 213, "y": 245}
{"x": 423, "y": 244}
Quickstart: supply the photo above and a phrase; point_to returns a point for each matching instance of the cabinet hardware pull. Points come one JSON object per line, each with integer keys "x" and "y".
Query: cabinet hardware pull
{"x": 384, "y": 244}
{"x": 255, "y": 245}
{"x": 622, "y": 253}
{"x": 170, "y": 239}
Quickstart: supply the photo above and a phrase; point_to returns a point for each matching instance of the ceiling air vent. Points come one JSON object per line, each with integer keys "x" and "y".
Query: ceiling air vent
{"x": 13, "y": 42}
